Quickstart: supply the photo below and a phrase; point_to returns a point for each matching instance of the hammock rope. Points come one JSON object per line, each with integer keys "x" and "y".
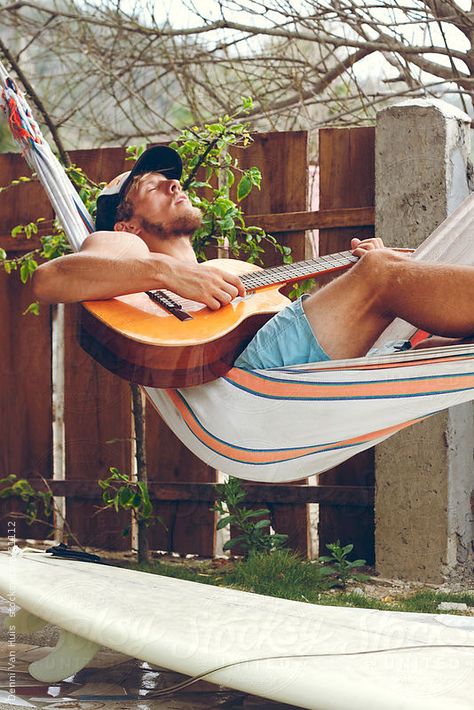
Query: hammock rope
{"x": 69, "y": 208}
{"x": 285, "y": 424}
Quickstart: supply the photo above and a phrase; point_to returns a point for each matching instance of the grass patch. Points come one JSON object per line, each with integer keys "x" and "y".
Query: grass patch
{"x": 360, "y": 601}
{"x": 283, "y": 574}
{"x": 427, "y": 601}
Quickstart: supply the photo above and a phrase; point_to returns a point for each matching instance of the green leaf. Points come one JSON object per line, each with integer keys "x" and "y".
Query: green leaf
{"x": 244, "y": 188}
{"x": 27, "y": 268}
{"x": 255, "y": 176}
{"x": 17, "y": 230}
{"x": 256, "y": 513}
{"x": 33, "y": 308}
{"x": 143, "y": 490}
{"x": 133, "y": 152}
{"x": 200, "y": 184}
{"x": 232, "y": 543}
{"x": 230, "y": 177}
{"x": 125, "y": 495}
{"x": 3, "y": 254}
{"x": 224, "y": 522}
{"x": 147, "y": 510}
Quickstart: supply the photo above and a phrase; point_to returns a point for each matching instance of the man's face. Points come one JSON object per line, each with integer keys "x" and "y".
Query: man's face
{"x": 162, "y": 208}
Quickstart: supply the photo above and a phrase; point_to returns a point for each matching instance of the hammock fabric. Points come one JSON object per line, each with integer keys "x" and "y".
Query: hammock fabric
{"x": 288, "y": 423}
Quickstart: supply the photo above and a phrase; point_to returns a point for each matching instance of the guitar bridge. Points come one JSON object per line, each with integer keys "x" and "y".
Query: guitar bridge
{"x": 169, "y": 304}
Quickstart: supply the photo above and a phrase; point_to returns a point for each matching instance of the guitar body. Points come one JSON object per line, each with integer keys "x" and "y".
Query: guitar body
{"x": 137, "y": 339}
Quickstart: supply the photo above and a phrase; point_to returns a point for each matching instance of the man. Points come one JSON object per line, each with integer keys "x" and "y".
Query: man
{"x": 144, "y": 225}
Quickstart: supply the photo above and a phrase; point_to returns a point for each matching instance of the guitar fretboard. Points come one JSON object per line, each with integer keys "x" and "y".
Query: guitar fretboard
{"x": 300, "y": 270}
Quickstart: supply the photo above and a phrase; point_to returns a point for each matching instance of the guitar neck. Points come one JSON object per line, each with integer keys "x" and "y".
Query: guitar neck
{"x": 289, "y": 273}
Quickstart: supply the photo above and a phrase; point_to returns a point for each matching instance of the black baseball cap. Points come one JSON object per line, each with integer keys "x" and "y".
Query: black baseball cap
{"x": 159, "y": 159}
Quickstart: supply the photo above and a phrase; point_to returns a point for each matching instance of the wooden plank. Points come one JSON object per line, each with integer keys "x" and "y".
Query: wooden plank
{"x": 97, "y": 406}
{"x": 347, "y": 180}
{"x": 354, "y": 496}
{"x": 19, "y": 244}
{"x": 25, "y": 377}
{"x": 25, "y": 374}
{"x": 283, "y": 161}
{"x": 190, "y": 524}
{"x": 98, "y": 436}
{"x": 320, "y": 219}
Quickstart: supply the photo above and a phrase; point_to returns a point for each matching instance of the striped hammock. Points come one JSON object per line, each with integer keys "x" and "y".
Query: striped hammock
{"x": 288, "y": 423}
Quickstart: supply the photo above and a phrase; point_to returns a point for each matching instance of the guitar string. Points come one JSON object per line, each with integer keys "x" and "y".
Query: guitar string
{"x": 270, "y": 276}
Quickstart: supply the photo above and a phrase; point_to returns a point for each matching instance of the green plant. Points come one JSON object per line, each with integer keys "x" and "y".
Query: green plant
{"x": 11, "y": 486}
{"x": 253, "y": 535}
{"x": 120, "y": 492}
{"x": 39, "y": 505}
{"x": 342, "y": 568}
{"x": 210, "y": 171}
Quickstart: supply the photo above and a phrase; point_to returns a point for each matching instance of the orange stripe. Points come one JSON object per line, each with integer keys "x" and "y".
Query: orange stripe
{"x": 366, "y": 365}
{"x": 258, "y": 457}
{"x": 287, "y": 390}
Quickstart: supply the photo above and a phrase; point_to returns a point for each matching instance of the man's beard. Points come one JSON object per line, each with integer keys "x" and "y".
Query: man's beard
{"x": 183, "y": 226}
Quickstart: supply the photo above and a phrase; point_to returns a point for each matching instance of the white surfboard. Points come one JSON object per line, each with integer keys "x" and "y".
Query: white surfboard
{"x": 325, "y": 658}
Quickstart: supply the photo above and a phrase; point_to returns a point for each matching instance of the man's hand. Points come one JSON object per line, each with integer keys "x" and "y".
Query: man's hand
{"x": 204, "y": 283}
{"x": 360, "y": 246}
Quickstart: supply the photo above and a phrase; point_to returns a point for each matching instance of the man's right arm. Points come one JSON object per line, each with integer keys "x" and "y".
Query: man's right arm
{"x": 111, "y": 264}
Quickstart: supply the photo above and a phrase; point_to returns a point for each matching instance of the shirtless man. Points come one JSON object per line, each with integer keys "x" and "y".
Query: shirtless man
{"x": 144, "y": 225}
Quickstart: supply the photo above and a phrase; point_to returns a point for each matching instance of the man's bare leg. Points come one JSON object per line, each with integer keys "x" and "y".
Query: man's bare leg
{"x": 350, "y": 313}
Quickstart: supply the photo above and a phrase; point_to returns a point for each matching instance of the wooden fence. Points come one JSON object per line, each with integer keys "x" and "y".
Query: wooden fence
{"x": 97, "y": 418}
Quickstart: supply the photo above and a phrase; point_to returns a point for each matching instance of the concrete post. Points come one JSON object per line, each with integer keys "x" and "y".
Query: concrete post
{"x": 424, "y": 475}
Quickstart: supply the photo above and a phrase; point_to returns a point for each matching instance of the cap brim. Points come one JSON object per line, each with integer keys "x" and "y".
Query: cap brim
{"x": 158, "y": 159}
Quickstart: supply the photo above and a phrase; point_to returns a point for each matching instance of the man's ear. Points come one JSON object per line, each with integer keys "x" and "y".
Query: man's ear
{"x": 127, "y": 227}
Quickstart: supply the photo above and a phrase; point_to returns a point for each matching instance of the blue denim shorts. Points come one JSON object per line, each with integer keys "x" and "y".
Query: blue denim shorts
{"x": 285, "y": 339}
{"x": 288, "y": 339}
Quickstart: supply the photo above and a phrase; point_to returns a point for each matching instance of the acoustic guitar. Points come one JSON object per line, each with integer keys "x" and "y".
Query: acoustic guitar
{"x": 159, "y": 339}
